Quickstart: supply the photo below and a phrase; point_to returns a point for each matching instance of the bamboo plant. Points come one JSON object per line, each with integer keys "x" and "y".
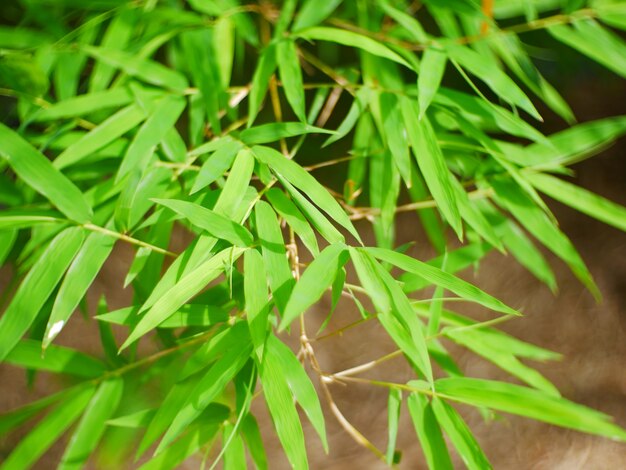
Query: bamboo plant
{"x": 128, "y": 121}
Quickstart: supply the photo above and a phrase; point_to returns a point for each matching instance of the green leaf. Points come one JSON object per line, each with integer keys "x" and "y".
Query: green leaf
{"x": 294, "y": 218}
{"x": 27, "y": 354}
{"x": 102, "y": 135}
{"x": 217, "y": 164}
{"x": 441, "y": 278}
{"x": 315, "y": 280}
{"x": 319, "y": 221}
{"x": 428, "y": 432}
{"x": 116, "y": 36}
{"x": 291, "y": 76}
{"x": 257, "y": 298}
{"x": 234, "y": 190}
{"x": 491, "y": 74}
{"x": 431, "y": 163}
{"x": 147, "y": 70}
{"x": 252, "y": 436}
{"x": 138, "y": 419}
{"x": 47, "y": 431}
{"x": 260, "y": 80}
{"x": 206, "y": 390}
{"x": 351, "y": 39}
{"x": 580, "y": 199}
{"x": 37, "y": 287}
{"x": 283, "y": 410}
{"x": 313, "y": 12}
{"x": 92, "y": 425}
{"x": 301, "y": 179}
{"x": 204, "y": 70}
{"x": 393, "y": 132}
{"x": 530, "y": 403}
{"x": 267, "y": 133}
{"x": 81, "y": 273}
{"x": 300, "y": 385}
{"x": 274, "y": 254}
{"x": 539, "y": 224}
{"x": 394, "y": 310}
{"x": 460, "y": 436}
{"x": 596, "y": 42}
{"x": 177, "y": 295}
{"x": 162, "y": 118}
{"x": 15, "y": 219}
{"x": 432, "y": 68}
{"x": 85, "y": 104}
{"x": 185, "y": 316}
{"x": 37, "y": 171}
{"x": 393, "y": 417}
{"x": 206, "y": 219}
{"x": 480, "y": 344}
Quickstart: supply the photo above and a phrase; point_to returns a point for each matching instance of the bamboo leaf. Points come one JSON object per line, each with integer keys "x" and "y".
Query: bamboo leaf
{"x": 257, "y": 298}
{"x": 47, "y": 431}
{"x": 351, "y": 39}
{"x": 37, "y": 287}
{"x": 393, "y": 416}
{"x": 207, "y": 389}
{"x": 81, "y": 273}
{"x": 431, "y": 72}
{"x": 431, "y": 163}
{"x": 104, "y": 134}
{"x": 147, "y": 70}
{"x": 267, "y": 133}
{"x": 260, "y": 80}
{"x": 318, "y": 276}
{"x": 313, "y": 13}
{"x": 290, "y": 212}
{"x": 460, "y": 436}
{"x": 27, "y": 354}
{"x": 302, "y": 180}
{"x": 300, "y": 385}
{"x": 291, "y": 77}
{"x": 216, "y": 165}
{"x": 495, "y": 78}
{"x": 188, "y": 286}
{"x": 441, "y": 278}
{"x": 537, "y": 222}
{"x": 163, "y": 117}
{"x": 92, "y": 424}
{"x": 283, "y": 410}
{"x": 206, "y": 219}
{"x": 85, "y": 104}
{"x": 580, "y": 199}
{"x": 274, "y": 254}
{"x": 234, "y": 190}
{"x": 594, "y": 41}
{"x": 428, "y": 432}
{"x": 37, "y": 171}
{"x": 252, "y": 436}
{"x": 530, "y": 403}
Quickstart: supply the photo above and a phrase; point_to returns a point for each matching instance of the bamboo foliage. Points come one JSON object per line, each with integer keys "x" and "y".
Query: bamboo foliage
{"x": 130, "y": 121}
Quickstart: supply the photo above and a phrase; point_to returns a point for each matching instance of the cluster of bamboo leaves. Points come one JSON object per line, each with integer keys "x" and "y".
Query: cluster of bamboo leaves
{"x": 126, "y": 121}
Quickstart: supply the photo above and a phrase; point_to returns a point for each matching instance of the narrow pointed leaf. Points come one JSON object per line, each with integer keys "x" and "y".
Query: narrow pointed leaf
{"x": 206, "y": 219}
{"x": 318, "y": 276}
{"x": 441, "y": 278}
{"x": 79, "y": 276}
{"x": 92, "y": 425}
{"x": 302, "y": 180}
{"x": 37, "y": 171}
{"x": 530, "y": 403}
{"x": 432, "y": 68}
{"x": 37, "y": 287}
